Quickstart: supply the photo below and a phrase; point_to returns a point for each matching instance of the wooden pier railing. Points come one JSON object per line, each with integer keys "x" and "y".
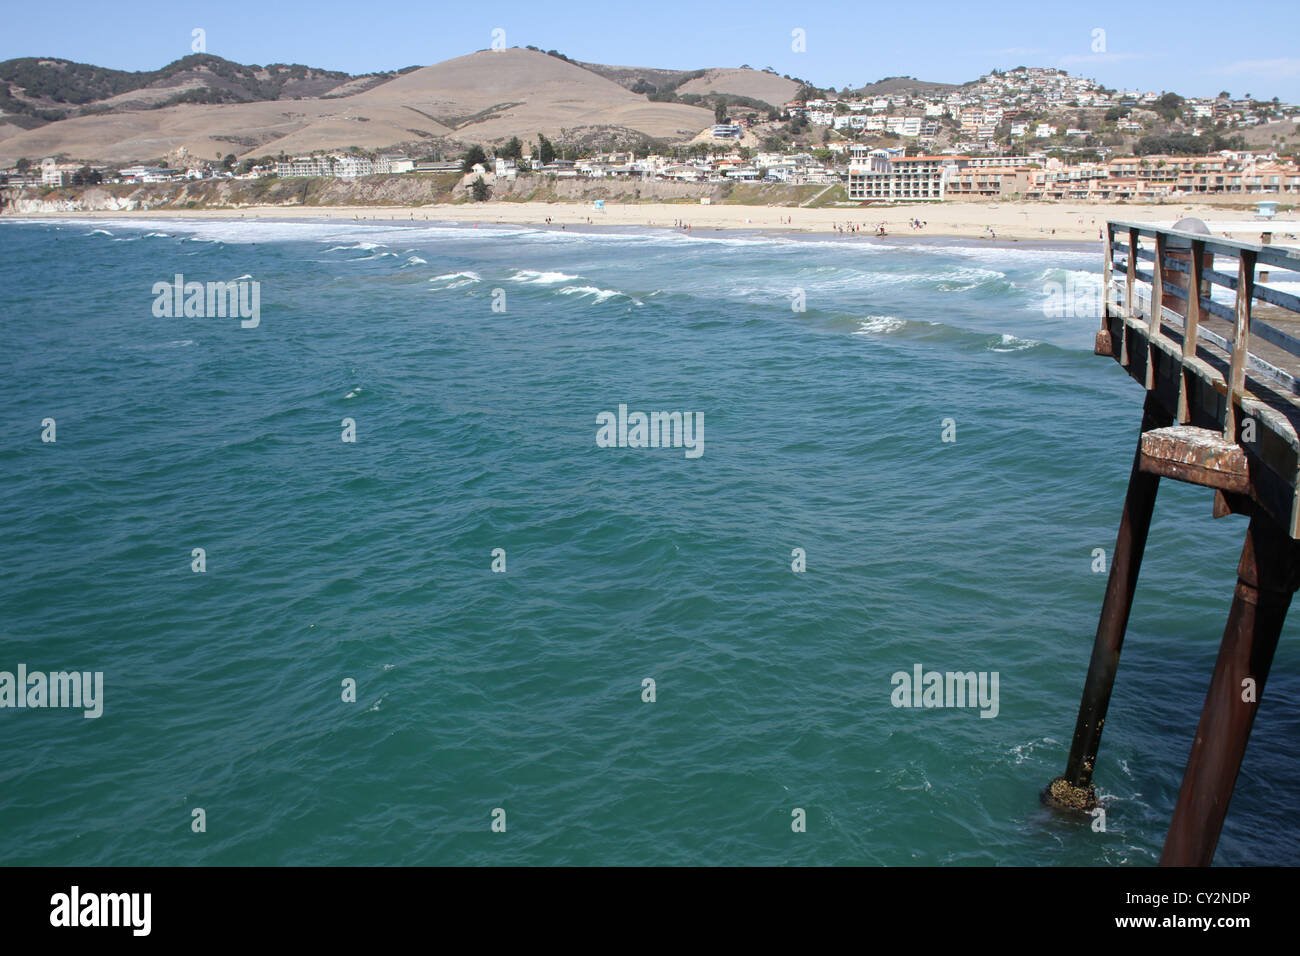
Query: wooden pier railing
{"x": 1222, "y": 411}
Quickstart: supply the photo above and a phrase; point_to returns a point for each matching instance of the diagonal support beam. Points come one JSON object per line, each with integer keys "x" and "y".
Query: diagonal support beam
{"x": 1267, "y": 577}
{"x": 1074, "y": 790}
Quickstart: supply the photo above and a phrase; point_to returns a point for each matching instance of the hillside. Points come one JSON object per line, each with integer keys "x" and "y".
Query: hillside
{"x": 490, "y": 96}
{"x": 47, "y": 89}
{"x": 904, "y": 84}
{"x": 753, "y": 84}
{"x": 484, "y": 97}
{"x": 639, "y": 79}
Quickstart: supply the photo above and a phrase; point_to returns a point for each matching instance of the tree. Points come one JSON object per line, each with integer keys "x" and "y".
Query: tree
{"x": 481, "y": 190}
{"x": 720, "y": 113}
{"x": 545, "y": 151}
{"x": 23, "y": 164}
{"x": 474, "y": 155}
{"x": 228, "y": 160}
{"x": 512, "y": 150}
{"x": 1168, "y": 106}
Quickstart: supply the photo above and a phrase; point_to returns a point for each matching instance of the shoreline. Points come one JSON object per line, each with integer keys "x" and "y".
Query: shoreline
{"x": 995, "y": 223}
{"x": 579, "y": 229}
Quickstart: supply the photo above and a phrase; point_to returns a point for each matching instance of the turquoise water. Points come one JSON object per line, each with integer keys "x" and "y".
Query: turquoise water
{"x": 476, "y": 430}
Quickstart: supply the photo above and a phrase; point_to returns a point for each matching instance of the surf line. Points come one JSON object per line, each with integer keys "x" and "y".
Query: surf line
{"x": 651, "y": 430}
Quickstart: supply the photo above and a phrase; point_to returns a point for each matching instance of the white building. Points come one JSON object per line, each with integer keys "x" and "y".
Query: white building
{"x": 903, "y": 178}
{"x": 345, "y": 166}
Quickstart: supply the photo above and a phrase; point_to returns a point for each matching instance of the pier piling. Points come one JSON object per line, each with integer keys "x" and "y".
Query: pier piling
{"x": 1266, "y": 580}
{"x": 1074, "y": 790}
{"x": 1222, "y": 411}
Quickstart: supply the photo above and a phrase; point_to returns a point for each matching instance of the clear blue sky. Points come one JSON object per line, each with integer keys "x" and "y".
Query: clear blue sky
{"x": 1194, "y": 48}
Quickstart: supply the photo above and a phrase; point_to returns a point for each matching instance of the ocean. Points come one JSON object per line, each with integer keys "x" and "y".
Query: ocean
{"x": 567, "y": 648}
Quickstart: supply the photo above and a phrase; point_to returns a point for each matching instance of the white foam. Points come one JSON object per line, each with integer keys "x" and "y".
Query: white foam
{"x": 880, "y": 325}
{"x": 965, "y": 278}
{"x": 1012, "y": 343}
{"x": 455, "y": 280}
{"x": 1061, "y": 273}
{"x": 533, "y": 277}
{"x": 366, "y": 246}
{"x": 597, "y": 294}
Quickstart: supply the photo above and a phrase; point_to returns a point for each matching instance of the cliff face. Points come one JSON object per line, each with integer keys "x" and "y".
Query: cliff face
{"x": 232, "y": 194}
{"x": 29, "y": 202}
{"x": 410, "y": 189}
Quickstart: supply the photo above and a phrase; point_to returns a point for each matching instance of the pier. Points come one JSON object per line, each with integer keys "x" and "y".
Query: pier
{"x": 1222, "y": 410}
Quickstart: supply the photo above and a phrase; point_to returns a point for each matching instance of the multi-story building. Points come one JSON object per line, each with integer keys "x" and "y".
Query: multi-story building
{"x": 305, "y": 166}
{"x": 346, "y": 166}
{"x": 989, "y": 182}
{"x": 903, "y": 178}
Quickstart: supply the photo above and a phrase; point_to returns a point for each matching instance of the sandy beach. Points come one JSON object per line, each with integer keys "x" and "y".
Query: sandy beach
{"x": 1008, "y": 221}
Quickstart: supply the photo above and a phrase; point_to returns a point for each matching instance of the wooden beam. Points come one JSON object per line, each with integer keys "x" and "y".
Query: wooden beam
{"x": 1240, "y": 341}
{"x": 1131, "y": 278}
{"x": 1192, "y": 323}
{"x": 1108, "y": 267}
{"x": 1231, "y": 503}
{"x": 1157, "y": 309}
{"x": 1195, "y": 455}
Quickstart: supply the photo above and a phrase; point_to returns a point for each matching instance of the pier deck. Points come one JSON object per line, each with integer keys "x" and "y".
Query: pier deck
{"x": 1216, "y": 346}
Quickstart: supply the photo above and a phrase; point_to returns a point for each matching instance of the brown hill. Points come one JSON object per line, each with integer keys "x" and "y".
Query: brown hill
{"x": 904, "y": 84}
{"x": 639, "y": 79}
{"x": 755, "y": 84}
{"x": 492, "y": 95}
{"x": 484, "y": 97}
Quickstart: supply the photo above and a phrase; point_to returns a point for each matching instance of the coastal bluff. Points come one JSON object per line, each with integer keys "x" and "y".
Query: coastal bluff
{"x": 404, "y": 190}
